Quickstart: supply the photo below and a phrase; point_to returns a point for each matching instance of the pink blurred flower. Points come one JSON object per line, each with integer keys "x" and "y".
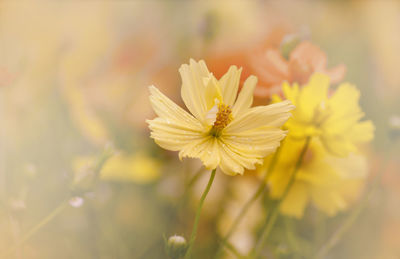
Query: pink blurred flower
{"x": 266, "y": 61}
{"x": 305, "y": 59}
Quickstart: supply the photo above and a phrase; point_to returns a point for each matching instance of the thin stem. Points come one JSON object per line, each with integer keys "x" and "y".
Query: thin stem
{"x": 248, "y": 204}
{"x": 97, "y": 169}
{"x": 186, "y": 194}
{"x": 198, "y": 212}
{"x": 291, "y": 237}
{"x": 275, "y": 210}
{"x": 270, "y": 223}
{"x": 337, "y": 235}
{"x": 35, "y": 229}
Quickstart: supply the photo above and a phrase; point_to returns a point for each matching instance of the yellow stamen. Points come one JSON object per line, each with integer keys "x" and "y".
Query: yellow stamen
{"x": 223, "y": 118}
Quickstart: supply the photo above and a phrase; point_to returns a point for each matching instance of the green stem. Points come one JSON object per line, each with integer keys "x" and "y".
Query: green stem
{"x": 97, "y": 169}
{"x": 275, "y": 210}
{"x": 291, "y": 237}
{"x": 35, "y": 229}
{"x": 337, "y": 235}
{"x": 270, "y": 223}
{"x": 185, "y": 197}
{"x": 248, "y": 204}
{"x": 198, "y": 212}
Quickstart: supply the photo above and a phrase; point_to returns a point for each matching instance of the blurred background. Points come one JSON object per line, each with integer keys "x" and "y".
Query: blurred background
{"x": 74, "y": 80}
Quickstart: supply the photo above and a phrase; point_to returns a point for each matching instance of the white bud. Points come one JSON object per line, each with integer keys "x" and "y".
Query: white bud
{"x": 176, "y": 246}
{"x": 76, "y": 202}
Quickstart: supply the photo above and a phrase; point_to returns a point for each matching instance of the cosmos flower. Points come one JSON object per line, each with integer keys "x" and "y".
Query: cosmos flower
{"x": 266, "y": 61}
{"x": 303, "y": 61}
{"x": 328, "y": 182}
{"x": 307, "y": 59}
{"x": 139, "y": 168}
{"x": 221, "y": 130}
{"x": 334, "y": 119}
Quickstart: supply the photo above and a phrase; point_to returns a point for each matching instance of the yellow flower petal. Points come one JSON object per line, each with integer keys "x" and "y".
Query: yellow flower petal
{"x": 362, "y": 132}
{"x": 311, "y": 97}
{"x": 172, "y": 136}
{"x": 167, "y": 109}
{"x": 296, "y": 201}
{"x": 343, "y": 108}
{"x": 255, "y": 143}
{"x": 194, "y": 148}
{"x": 338, "y": 145}
{"x": 230, "y": 85}
{"x": 210, "y": 156}
{"x": 228, "y": 163}
{"x": 245, "y": 98}
{"x": 291, "y": 92}
{"x": 206, "y": 149}
{"x": 212, "y": 91}
{"x": 237, "y": 154}
{"x": 329, "y": 202}
{"x": 193, "y": 88}
{"x": 174, "y": 128}
{"x": 274, "y": 115}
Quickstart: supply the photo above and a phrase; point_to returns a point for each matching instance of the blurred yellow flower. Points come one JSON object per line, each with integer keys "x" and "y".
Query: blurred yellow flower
{"x": 334, "y": 119}
{"x": 138, "y": 168}
{"x": 220, "y": 131}
{"x": 329, "y": 182}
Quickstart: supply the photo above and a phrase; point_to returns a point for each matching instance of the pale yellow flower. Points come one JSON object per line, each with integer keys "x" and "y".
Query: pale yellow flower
{"x": 138, "y": 168}
{"x": 328, "y": 182}
{"x": 221, "y": 130}
{"x": 335, "y": 119}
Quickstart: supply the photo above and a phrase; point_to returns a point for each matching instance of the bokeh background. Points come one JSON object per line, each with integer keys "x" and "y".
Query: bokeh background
{"x": 74, "y": 79}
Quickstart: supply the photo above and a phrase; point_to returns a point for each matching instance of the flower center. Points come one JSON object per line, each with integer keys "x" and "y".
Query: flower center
{"x": 222, "y": 119}
{"x": 321, "y": 114}
{"x": 308, "y": 156}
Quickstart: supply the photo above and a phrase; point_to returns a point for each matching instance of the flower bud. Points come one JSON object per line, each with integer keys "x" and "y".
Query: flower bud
{"x": 176, "y": 247}
{"x": 76, "y": 201}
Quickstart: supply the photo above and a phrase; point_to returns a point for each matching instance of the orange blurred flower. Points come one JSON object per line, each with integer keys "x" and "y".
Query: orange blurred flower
{"x": 266, "y": 61}
{"x": 245, "y": 57}
{"x": 306, "y": 59}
